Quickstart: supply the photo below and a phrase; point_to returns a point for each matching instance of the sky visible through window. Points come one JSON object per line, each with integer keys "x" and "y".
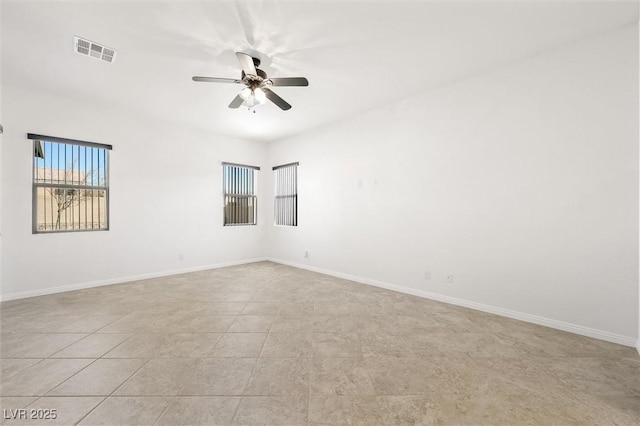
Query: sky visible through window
{"x": 70, "y": 164}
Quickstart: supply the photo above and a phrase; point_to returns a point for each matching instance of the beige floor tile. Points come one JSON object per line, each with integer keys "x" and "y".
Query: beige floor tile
{"x": 345, "y": 410}
{"x": 188, "y": 323}
{"x": 340, "y": 376}
{"x": 271, "y": 410}
{"x": 451, "y": 322}
{"x": 438, "y": 409}
{"x": 144, "y": 345}
{"x": 221, "y": 308}
{"x": 59, "y": 410}
{"x": 509, "y": 375}
{"x": 137, "y": 323}
{"x": 606, "y": 409}
{"x": 230, "y": 297}
{"x": 106, "y": 307}
{"x": 239, "y": 345}
{"x": 159, "y": 377}
{"x": 100, "y": 378}
{"x": 565, "y": 344}
{"x": 37, "y": 323}
{"x": 419, "y": 410}
{"x": 261, "y": 308}
{"x": 403, "y": 376}
{"x": 35, "y": 345}
{"x": 287, "y": 345}
{"x": 219, "y": 376}
{"x": 89, "y": 324}
{"x": 269, "y": 296}
{"x": 342, "y": 345}
{"x": 312, "y": 324}
{"x": 21, "y": 307}
{"x": 296, "y": 308}
{"x": 489, "y": 323}
{"x": 251, "y": 324}
{"x": 266, "y": 341}
{"x": 498, "y": 409}
{"x": 597, "y": 376}
{"x": 341, "y": 307}
{"x": 279, "y": 376}
{"x": 370, "y": 324}
{"x": 10, "y": 404}
{"x": 173, "y": 345}
{"x": 165, "y": 308}
{"x": 438, "y": 344}
{"x": 10, "y": 367}
{"x": 42, "y": 377}
{"x": 199, "y": 411}
{"x": 92, "y": 346}
{"x": 388, "y": 345}
{"x": 123, "y": 411}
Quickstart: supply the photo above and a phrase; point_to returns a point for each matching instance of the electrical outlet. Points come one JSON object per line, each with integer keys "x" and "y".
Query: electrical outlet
{"x": 306, "y": 254}
{"x": 181, "y": 256}
{"x": 449, "y": 278}
{"x": 427, "y": 275}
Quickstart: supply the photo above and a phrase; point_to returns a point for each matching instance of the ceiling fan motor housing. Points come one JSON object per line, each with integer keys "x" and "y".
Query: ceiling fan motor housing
{"x": 260, "y": 73}
{"x": 253, "y": 82}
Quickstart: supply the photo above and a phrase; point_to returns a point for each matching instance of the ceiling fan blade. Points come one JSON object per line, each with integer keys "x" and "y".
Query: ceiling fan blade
{"x": 216, "y": 80}
{"x": 289, "y": 81}
{"x": 236, "y": 102}
{"x": 246, "y": 62}
{"x": 276, "y": 99}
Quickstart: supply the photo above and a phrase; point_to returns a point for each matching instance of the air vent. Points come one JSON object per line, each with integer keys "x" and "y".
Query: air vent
{"x": 94, "y": 50}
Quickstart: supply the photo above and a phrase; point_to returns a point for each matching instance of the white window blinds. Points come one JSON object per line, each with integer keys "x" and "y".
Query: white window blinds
{"x": 286, "y": 194}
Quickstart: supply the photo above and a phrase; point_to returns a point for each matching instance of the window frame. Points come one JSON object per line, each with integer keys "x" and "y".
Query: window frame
{"x": 291, "y": 180}
{"x": 242, "y": 193}
{"x": 37, "y": 141}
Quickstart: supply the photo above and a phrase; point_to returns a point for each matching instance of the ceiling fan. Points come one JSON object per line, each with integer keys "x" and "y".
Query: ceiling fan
{"x": 258, "y": 88}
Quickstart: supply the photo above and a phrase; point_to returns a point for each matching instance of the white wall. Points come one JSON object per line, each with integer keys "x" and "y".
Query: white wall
{"x": 522, "y": 183}
{"x": 166, "y": 197}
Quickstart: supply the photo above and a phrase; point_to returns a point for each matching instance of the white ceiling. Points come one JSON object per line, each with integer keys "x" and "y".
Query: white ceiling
{"x": 356, "y": 55}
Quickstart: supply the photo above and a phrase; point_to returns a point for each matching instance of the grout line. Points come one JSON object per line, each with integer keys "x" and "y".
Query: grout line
{"x": 132, "y": 335}
{"x": 112, "y": 392}
{"x": 73, "y": 375}
{"x": 165, "y": 410}
{"x": 255, "y": 366}
{"x": 91, "y": 411}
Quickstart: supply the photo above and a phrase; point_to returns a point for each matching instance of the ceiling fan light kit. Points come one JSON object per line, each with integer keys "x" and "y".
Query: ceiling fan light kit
{"x": 257, "y": 90}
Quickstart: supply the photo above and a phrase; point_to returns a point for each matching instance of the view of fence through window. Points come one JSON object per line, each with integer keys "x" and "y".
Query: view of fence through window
{"x": 239, "y": 187}
{"x": 70, "y": 186}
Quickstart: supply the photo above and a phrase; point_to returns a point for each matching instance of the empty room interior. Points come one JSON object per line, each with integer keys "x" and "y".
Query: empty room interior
{"x": 319, "y": 213}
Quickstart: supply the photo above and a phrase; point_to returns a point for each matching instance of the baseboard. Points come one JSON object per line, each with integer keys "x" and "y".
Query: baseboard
{"x": 120, "y": 280}
{"x": 560, "y": 325}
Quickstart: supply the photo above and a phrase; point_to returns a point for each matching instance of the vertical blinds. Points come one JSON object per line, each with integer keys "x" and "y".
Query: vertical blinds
{"x": 286, "y": 195}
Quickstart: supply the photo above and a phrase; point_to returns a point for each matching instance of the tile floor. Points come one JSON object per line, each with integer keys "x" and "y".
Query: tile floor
{"x": 269, "y": 344}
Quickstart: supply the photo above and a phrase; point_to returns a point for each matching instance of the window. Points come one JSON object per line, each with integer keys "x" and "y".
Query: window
{"x": 286, "y": 194}
{"x": 239, "y": 186}
{"x": 70, "y": 185}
